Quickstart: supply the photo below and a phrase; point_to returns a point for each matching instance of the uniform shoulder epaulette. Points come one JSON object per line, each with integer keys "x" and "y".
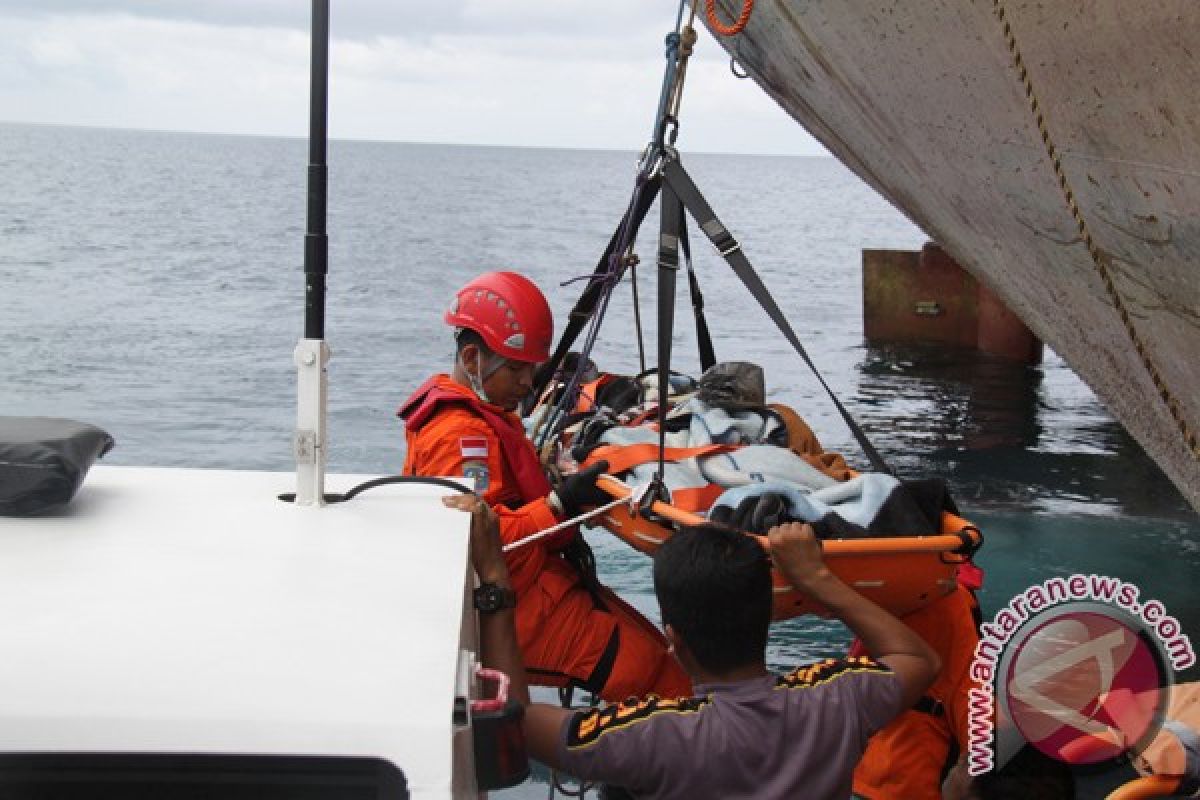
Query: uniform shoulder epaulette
{"x": 828, "y": 670}
{"x": 586, "y": 728}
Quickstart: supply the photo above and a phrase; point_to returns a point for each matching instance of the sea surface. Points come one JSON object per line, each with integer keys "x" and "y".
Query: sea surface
{"x": 151, "y": 284}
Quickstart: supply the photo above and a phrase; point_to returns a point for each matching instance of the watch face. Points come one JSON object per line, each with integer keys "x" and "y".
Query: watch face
{"x": 490, "y": 598}
{"x": 486, "y": 598}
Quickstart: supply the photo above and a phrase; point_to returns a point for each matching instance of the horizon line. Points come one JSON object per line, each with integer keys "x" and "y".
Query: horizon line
{"x": 358, "y": 140}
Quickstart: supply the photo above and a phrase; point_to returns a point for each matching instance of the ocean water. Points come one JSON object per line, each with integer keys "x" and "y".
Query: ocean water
{"x": 152, "y": 285}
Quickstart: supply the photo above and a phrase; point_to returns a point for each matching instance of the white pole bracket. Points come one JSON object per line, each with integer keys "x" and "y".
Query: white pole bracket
{"x": 309, "y": 440}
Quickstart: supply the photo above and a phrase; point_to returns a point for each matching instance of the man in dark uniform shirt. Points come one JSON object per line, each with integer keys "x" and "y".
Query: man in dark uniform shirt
{"x": 746, "y": 733}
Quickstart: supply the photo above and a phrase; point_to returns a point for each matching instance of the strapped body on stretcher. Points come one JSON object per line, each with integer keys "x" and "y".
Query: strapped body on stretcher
{"x": 731, "y": 458}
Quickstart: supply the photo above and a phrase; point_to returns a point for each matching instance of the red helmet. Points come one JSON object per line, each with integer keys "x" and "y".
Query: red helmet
{"x": 509, "y": 312}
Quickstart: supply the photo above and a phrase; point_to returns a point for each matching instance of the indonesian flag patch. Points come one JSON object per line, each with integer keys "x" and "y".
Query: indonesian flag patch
{"x": 473, "y": 446}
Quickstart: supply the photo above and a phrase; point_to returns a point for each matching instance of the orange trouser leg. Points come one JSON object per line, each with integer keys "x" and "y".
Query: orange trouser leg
{"x": 563, "y": 637}
{"x": 904, "y": 761}
{"x": 572, "y": 640}
{"x": 643, "y": 666}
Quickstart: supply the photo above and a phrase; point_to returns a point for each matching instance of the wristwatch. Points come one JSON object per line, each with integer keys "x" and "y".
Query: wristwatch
{"x": 490, "y": 598}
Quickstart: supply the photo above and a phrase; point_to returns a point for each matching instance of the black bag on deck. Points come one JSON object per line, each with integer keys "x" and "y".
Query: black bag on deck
{"x": 43, "y": 461}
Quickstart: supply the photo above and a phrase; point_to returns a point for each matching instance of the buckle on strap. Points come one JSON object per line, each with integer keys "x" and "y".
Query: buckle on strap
{"x": 930, "y": 706}
{"x": 668, "y": 251}
{"x": 720, "y": 236}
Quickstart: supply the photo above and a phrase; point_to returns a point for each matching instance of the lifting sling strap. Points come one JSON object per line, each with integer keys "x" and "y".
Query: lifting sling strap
{"x": 678, "y": 185}
{"x": 679, "y": 192}
{"x": 668, "y": 266}
{"x": 708, "y": 356}
{"x": 602, "y": 280}
{"x": 625, "y": 233}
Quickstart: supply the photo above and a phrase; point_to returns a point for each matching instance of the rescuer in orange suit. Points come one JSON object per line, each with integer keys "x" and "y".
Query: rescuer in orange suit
{"x": 908, "y": 758}
{"x": 571, "y": 630}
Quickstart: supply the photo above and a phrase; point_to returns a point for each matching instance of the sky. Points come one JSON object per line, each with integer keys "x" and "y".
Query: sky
{"x": 544, "y": 73}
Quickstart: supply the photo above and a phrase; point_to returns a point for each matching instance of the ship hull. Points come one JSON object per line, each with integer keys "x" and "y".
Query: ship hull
{"x": 1070, "y": 187}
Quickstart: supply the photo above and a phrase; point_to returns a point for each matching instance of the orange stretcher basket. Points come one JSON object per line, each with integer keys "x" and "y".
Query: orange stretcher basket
{"x": 900, "y": 573}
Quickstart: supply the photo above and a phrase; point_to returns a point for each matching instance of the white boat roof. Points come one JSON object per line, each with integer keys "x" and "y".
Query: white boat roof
{"x": 182, "y": 610}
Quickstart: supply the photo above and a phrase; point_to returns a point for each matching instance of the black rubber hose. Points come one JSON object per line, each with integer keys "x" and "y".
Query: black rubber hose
{"x": 290, "y": 497}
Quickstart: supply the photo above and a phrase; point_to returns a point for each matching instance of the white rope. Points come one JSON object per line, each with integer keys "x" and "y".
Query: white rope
{"x": 634, "y": 498}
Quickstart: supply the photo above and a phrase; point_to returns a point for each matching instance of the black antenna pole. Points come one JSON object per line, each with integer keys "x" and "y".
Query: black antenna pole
{"x": 316, "y": 241}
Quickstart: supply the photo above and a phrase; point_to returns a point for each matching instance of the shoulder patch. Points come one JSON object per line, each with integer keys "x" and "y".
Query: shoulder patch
{"x": 473, "y": 447}
{"x": 586, "y": 728}
{"x": 828, "y": 670}
{"x": 477, "y": 473}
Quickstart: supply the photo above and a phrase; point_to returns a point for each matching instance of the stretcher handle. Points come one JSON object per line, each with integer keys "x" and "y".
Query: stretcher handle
{"x": 1147, "y": 787}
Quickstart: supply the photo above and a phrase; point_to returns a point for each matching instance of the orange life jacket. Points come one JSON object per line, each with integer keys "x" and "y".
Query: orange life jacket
{"x": 434, "y": 395}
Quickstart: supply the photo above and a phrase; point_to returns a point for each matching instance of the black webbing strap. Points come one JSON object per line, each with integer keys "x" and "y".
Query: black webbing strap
{"x": 626, "y": 232}
{"x": 668, "y": 266}
{"x": 930, "y": 705}
{"x": 680, "y": 183}
{"x": 708, "y": 356}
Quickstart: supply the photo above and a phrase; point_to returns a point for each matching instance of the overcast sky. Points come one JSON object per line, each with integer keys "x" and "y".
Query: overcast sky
{"x": 560, "y": 73}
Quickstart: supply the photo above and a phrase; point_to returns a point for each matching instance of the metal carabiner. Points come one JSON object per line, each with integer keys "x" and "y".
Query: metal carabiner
{"x": 671, "y": 123}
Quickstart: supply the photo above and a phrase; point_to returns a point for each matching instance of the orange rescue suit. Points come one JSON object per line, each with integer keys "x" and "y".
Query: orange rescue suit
{"x": 564, "y": 636}
{"x": 906, "y": 759}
